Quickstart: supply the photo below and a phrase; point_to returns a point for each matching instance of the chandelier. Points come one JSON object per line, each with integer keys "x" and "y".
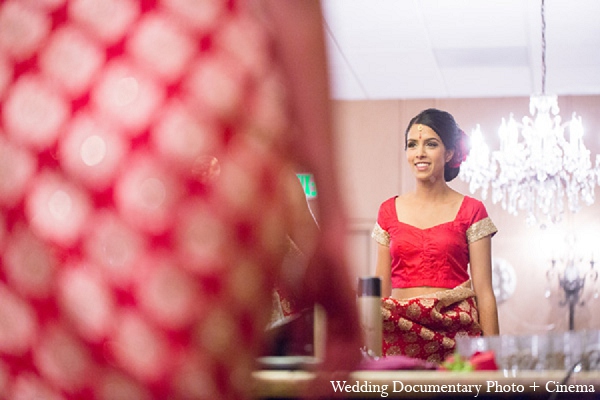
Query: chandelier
{"x": 571, "y": 273}
{"x": 536, "y": 168}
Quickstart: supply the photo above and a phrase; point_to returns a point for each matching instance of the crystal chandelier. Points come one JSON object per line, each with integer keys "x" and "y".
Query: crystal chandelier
{"x": 536, "y": 167}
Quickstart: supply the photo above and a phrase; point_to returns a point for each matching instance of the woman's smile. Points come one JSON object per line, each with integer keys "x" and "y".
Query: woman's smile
{"x": 422, "y": 166}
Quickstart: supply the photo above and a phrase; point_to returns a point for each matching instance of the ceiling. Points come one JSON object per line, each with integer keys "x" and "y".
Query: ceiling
{"x": 407, "y": 49}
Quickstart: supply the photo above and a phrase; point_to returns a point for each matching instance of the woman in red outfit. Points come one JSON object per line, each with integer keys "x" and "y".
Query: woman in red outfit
{"x": 434, "y": 249}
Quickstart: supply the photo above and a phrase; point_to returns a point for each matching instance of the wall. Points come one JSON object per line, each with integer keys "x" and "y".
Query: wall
{"x": 372, "y": 165}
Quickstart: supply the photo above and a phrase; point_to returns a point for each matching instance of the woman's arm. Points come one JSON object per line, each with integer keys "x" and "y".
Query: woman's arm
{"x": 383, "y": 269}
{"x": 480, "y": 254}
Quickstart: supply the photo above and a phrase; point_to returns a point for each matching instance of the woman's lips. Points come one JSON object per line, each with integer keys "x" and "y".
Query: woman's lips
{"x": 421, "y": 166}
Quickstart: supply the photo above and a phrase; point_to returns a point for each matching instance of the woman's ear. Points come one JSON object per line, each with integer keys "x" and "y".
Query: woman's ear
{"x": 449, "y": 155}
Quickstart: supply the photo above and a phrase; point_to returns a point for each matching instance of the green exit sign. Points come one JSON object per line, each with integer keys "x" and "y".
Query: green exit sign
{"x": 308, "y": 183}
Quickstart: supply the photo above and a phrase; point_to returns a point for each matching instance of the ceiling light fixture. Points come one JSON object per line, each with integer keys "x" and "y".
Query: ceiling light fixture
{"x": 536, "y": 166}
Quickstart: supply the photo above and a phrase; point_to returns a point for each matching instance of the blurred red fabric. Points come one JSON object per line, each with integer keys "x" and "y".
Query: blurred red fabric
{"x": 140, "y": 197}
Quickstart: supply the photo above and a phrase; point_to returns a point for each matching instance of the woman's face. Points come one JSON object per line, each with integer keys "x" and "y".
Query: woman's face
{"x": 426, "y": 153}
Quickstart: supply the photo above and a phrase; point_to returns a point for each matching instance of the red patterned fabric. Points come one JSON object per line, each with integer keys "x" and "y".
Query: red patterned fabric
{"x": 425, "y": 327}
{"x": 141, "y": 205}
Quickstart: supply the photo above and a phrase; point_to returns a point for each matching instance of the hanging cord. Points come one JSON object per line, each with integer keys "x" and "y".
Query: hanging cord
{"x": 543, "y": 49}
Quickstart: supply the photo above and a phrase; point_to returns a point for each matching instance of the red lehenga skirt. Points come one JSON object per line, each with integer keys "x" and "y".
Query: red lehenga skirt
{"x": 425, "y": 327}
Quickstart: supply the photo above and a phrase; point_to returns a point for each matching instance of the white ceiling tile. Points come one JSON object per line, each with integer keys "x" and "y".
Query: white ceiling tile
{"x": 399, "y": 74}
{"x": 574, "y": 80}
{"x": 471, "y": 48}
{"x": 475, "y": 23}
{"x": 482, "y": 57}
{"x": 499, "y": 81}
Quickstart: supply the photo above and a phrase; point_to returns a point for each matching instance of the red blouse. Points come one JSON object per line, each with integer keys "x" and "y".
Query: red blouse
{"x": 436, "y": 256}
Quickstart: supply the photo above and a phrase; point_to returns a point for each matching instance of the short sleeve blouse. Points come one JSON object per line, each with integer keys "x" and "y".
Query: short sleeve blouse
{"x": 437, "y": 256}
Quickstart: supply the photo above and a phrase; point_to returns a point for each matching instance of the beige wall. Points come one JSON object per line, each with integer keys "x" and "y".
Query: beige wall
{"x": 372, "y": 167}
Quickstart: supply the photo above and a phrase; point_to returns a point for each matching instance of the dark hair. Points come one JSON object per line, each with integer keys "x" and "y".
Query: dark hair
{"x": 445, "y": 126}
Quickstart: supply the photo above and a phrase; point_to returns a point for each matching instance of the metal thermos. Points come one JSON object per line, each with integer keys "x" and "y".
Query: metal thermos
{"x": 369, "y": 308}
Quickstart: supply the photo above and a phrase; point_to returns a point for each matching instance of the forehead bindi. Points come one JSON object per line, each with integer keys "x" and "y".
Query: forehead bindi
{"x": 421, "y": 132}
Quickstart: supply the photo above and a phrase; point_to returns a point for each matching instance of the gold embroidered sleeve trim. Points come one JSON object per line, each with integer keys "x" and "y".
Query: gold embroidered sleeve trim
{"x": 380, "y": 236}
{"x": 481, "y": 229}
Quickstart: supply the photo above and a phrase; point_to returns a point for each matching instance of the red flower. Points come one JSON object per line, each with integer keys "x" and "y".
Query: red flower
{"x": 461, "y": 151}
{"x": 484, "y": 361}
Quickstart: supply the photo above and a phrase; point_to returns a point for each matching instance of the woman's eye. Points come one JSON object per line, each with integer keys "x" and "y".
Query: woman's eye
{"x": 432, "y": 144}
{"x": 411, "y": 145}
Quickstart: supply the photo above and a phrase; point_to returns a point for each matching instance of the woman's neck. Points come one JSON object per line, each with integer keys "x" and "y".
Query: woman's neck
{"x": 432, "y": 191}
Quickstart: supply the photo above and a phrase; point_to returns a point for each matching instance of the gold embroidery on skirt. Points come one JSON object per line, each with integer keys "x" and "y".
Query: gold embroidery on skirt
{"x": 427, "y": 303}
{"x": 435, "y": 315}
{"x": 413, "y": 311}
{"x": 425, "y": 326}
{"x": 448, "y": 343}
{"x": 388, "y": 326}
{"x": 432, "y": 347}
{"x": 390, "y": 337}
{"x": 404, "y": 324}
{"x": 412, "y": 350}
{"x": 427, "y": 334}
{"x": 465, "y": 318}
{"x": 410, "y": 337}
{"x": 385, "y": 313}
{"x": 387, "y": 305}
{"x": 435, "y": 358}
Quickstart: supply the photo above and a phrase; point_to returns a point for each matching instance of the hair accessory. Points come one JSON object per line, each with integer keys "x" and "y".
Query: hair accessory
{"x": 419, "y": 127}
{"x": 463, "y": 146}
